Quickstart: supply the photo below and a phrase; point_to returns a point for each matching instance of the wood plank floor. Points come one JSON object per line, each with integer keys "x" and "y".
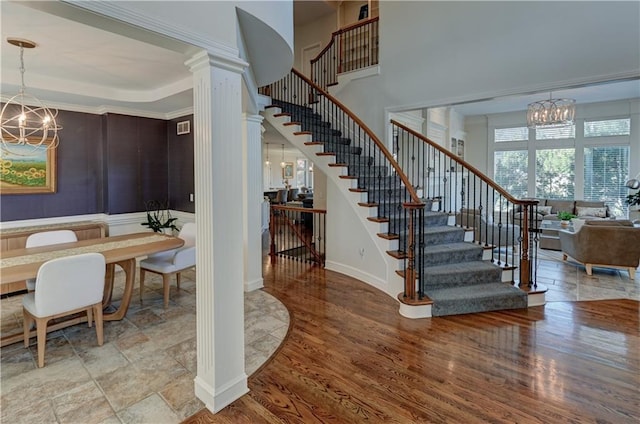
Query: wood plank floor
{"x": 350, "y": 357}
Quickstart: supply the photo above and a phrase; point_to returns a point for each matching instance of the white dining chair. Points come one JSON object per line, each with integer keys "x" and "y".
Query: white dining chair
{"x": 65, "y": 286}
{"x": 46, "y": 238}
{"x": 172, "y": 261}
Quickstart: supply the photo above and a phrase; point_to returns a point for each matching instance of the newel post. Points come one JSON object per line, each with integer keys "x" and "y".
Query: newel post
{"x": 525, "y": 262}
{"x": 410, "y": 274}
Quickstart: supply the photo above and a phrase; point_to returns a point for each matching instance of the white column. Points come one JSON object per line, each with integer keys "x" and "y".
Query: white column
{"x": 253, "y": 197}
{"x": 217, "y": 88}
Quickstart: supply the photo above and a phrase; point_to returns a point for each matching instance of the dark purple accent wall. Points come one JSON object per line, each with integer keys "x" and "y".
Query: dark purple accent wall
{"x": 137, "y": 162}
{"x": 106, "y": 164}
{"x": 181, "y": 171}
{"x": 79, "y": 174}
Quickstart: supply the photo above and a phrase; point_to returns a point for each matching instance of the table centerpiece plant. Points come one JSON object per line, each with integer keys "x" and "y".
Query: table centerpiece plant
{"x": 159, "y": 217}
{"x": 565, "y": 217}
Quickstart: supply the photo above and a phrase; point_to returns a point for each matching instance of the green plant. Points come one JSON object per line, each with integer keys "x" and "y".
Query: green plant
{"x": 565, "y": 216}
{"x": 633, "y": 199}
{"x": 159, "y": 217}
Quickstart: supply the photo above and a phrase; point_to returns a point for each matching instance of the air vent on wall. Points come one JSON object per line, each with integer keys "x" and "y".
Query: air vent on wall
{"x": 184, "y": 127}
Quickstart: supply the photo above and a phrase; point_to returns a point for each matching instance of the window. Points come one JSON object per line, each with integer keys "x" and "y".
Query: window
{"x": 610, "y": 127}
{"x": 501, "y": 135}
{"x": 605, "y": 172}
{"x": 301, "y": 173}
{"x": 556, "y": 133}
{"x": 555, "y": 173}
{"x": 510, "y": 171}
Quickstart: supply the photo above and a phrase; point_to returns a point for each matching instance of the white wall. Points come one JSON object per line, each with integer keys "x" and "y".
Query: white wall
{"x": 476, "y": 143}
{"x": 318, "y": 31}
{"x": 440, "y": 53}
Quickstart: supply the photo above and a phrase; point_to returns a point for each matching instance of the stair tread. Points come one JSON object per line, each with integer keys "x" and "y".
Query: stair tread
{"x": 478, "y": 292}
{"x": 471, "y": 266}
{"x": 451, "y": 247}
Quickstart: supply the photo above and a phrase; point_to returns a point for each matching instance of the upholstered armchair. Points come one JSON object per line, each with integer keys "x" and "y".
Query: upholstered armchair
{"x": 603, "y": 243}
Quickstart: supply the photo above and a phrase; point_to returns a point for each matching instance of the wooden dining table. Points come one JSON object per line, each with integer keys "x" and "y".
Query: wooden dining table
{"x": 122, "y": 250}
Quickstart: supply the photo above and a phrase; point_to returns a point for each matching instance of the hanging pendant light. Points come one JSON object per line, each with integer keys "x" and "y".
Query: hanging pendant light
{"x": 27, "y": 124}
{"x": 551, "y": 113}
{"x": 266, "y": 162}
{"x": 283, "y": 164}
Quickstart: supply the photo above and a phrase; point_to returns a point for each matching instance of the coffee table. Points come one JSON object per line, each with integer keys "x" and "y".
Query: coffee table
{"x": 549, "y": 238}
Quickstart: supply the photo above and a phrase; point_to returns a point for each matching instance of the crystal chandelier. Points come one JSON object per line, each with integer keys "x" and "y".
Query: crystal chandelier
{"x": 551, "y": 113}
{"x": 27, "y": 124}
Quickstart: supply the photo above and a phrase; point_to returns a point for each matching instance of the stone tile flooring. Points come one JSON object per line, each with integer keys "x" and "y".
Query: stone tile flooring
{"x": 144, "y": 372}
{"x": 568, "y": 280}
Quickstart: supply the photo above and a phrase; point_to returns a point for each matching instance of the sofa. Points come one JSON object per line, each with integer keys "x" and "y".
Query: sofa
{"x": 486, "y": 230}
{"x": 604, "y": 243}
{"x": 547, "y": 209}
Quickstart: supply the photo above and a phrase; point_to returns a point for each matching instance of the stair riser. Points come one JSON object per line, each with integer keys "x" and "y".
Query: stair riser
{"x": 443, "y": 308}
{"x": 299, "y": 112}
{"x": 429, "y": 220}
{"x": 380, "y": 183}
{"x": 358, "y": 171}
{"x": 461, "y": 279}
{"x": 436, "y": 239}
{"x": 345, "y": 153}
{"x": 326, "y": 137}
{"x": 451, "y": 257}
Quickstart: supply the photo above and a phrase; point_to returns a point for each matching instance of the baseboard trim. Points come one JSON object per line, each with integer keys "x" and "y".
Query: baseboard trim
{"x": 358, "y": 274}
{"x": 256, "y": 284}
{"x": 215, "y": 401}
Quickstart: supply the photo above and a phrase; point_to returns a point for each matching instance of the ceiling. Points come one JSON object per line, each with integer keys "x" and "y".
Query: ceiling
{"x": 77, "y": 64}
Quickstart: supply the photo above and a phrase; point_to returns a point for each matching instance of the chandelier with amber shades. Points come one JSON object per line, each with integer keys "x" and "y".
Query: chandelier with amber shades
{"x": 28, "y": 125}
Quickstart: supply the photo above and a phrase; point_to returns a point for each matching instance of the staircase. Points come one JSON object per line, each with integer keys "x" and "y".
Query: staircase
{"x": 443, "y": 265}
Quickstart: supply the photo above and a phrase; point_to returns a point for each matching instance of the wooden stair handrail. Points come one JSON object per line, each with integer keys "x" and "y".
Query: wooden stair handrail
{"x": 367, "y": 130}
{"x": 470, "y": 167}
{"x": 341, "y": 31}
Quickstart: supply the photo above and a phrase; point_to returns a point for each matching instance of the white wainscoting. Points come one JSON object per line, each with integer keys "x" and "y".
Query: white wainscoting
{"x": 126, "y": 223}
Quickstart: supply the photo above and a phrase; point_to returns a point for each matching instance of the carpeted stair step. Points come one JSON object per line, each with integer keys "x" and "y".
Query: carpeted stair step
{"x": 431, "y": 219}
{"x": 344, "y": 152}
{"x": 299, "y": 113}
{"x": 461, "y": 275}
{"x": 367, "y": 181}
{"x": 333, "y": 141}
{"x": 319, "y": 125}
{"x": 452, "y": 253}
{"x": 441, "y": 234}
{"x": 358, "y": 171}
{"x": 478, "y": 298}
{"x": 382, "y": 195}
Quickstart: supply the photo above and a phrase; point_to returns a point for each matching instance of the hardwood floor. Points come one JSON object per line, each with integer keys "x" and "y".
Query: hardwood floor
{"x": 350, "y": 357}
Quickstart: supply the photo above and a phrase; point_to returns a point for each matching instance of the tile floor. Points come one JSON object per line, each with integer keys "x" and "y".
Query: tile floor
{"x": 144, "y": 372}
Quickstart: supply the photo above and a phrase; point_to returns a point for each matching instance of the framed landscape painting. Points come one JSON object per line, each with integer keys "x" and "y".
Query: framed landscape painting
{"x": 28, "y": 170}
{"x": 287, "y": 171}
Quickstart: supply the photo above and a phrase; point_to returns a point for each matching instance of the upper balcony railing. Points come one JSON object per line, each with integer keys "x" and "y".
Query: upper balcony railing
{"x": 351, "y": 48}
